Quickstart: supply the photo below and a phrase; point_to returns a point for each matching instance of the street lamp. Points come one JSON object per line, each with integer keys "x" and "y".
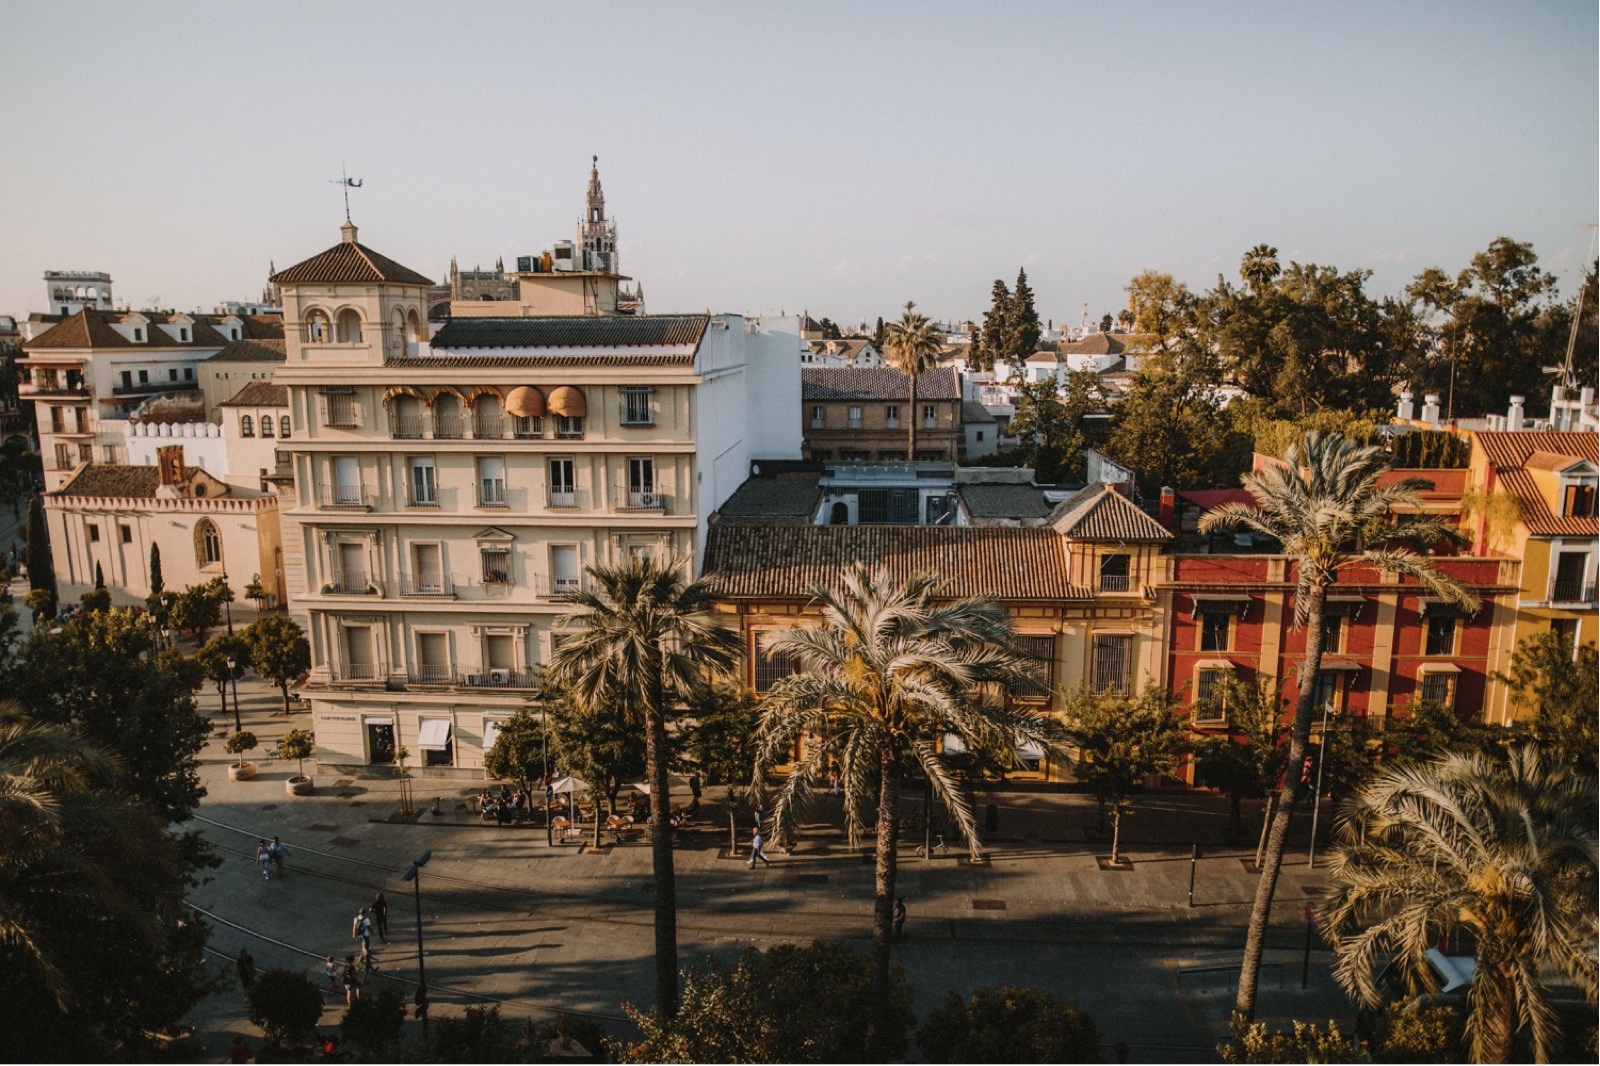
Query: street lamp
{"x": 233, "y": 676}
{"x": 1316, "y": 796}
{"x": 411, "y": 875}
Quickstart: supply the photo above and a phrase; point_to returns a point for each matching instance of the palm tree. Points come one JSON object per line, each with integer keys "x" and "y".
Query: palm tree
{"x": 1319, "y": 503}
{"x": 641, "y": 641}
{"x": 884, "y": 676}
{"x": 1259, "y": 267}
{"x": 911, "y": 345}
{"x": 1503, "y": 850}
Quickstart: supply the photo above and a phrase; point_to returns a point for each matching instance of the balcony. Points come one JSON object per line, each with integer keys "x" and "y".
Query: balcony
{"x": 368, "y": 672}
{"x": 488, "y": 428}
{"x": 348, "y": 584}
{"x": 1572, "y": 590}
{"x": 422, "y": 496}
{"x": 639, "y": 499}
{"x": 405, "y": 427}
{"x": 495, "y": 677}
{"x": 547, "y": 587}
{"x": 430, "y": 675}
{"x": 1115, "y": 582}
{"x": 495, "y": 496}
{"x": 347, "y": 497}
{"x": 428, "y": 586}
{"x": 446, "y": 427}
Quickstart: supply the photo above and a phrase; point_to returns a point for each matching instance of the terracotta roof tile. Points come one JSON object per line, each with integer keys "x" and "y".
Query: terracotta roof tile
{"x": 573, "y": 331}
{"x": 1094, "y": 344}
{"x": 263, "y": 327}
{"x": 259, "y": 394}
{"x": 1101, "y": 513}
{"x": 250, "y": 350}
{"x": 876, "y": 383}
{"x": 1510, "y": 452}
{"x": 92, "y": 328}
{"x": 350, "y": 261}
{"x": 1003, "y": 501}
{"x": 115, "y": 480}
{"x": 792, "y": 561}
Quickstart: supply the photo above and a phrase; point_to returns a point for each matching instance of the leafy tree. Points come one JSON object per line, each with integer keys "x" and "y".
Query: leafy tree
{"x": 1160, "y": 306}
{"x": 989, "y": 343}
{"x": 42, "y": 602}
{"x": 479, "y": 1034}
{"x": 1246, "y": 761}
{"x": 1122, "y": 740}
{"x": 279, "y": 651}
{"x": 1106, "y": 322}
{"x": 99, "y": 577}
{"x": 1306, "y": 1042}
{"x": 910, "y": 345}
{"x": 286, "y": 1005}
{"x": 156, "y": 583}
{"x": 878, "y": 335}
{"x": 886, "y": 673}
{"x": 1316, "y": 503}
{"x": 1502, "y": 850}
{"x": 374, "y": 1023}
{"x": 196, "y": 611}
{"x": 720, "y": 743}
{"x": 296, "y": 744}
{"x": 640, "y": 641}
{"x": 1171, "y": 427}
{"x": 1022, "y": 321}
{"x": 41, "y": 570}
{"x": 596, "y": 740}
{"x": 830, "y": 329}
{"x": 103, "y": 674}
{"x": 1417, "y": 1032}
{"x": 1558, "y": 684}
{"x": 1053, "y": 422}
{"x": 1008, "y": 1025}
{"x": 521, "y": 750}
{"x": 97, "y": 599}
{"x": 213, "y": 658}
{"x": 788, "y": 1004}
{"x": 239, "y": 743}
{"x": 256, "y": 593}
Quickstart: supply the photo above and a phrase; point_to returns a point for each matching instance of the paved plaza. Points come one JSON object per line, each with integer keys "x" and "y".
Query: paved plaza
{"x": 507, "y": 918}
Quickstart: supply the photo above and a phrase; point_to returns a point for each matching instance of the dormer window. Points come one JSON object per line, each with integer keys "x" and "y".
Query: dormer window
{"x": 183, "y": 335}
{"x": 1578, "y": 499}
{"x": 138, "y": 335}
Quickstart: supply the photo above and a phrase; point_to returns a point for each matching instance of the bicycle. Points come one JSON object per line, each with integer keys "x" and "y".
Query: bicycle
{"x": 938, "y": 845}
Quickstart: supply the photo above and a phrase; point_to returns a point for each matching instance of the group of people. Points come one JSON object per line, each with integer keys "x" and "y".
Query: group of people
{"x": 369, "y": 919}
{"x": 271, "y": 856}
{"x": 505, "y": 808}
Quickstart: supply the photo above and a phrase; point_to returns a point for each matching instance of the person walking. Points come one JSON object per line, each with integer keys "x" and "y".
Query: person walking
{"x": 368, "y": 961}
{"x": 899, "y": 916}
{"x": 757, "y": 849}
{"x": 352, "y": 983}
{"x": 264, "y": 857}
{"x": 361, "y": 928}
{"x": 247, "y": 970}
{"x": 279, "y": 851}
{"x": 331, "y": 968}
{"x": 380, "y": 912}
{"x": 833, "y": 780}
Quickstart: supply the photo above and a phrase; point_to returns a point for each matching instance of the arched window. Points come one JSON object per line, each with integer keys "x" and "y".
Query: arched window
{"x": 266, "y": 425}
{"x": 348, "y": 327}
{"x": 247, "y": 426}
{"x": 317, "y": 331}
{"x": 414, "y": 333}
{"x": 283, "y": 427}
{"x": 208, "y": 543}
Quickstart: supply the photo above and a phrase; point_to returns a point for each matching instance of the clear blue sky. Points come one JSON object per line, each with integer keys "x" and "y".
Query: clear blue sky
{"x": 841, "y": 157}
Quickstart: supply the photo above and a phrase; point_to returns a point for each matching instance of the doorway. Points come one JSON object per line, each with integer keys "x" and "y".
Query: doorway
{"x": 380, "y": 742}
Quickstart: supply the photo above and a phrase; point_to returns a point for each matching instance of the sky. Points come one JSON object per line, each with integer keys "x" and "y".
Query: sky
{"x": 840, "y": 158}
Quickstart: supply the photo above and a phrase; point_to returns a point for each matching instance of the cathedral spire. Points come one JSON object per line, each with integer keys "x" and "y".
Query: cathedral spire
{"x": 597, "y": 199}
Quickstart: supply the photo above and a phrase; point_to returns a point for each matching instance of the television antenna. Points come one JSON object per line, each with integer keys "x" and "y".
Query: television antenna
{"x": 347, "y": 183}
{"x": 1567, "y": 381}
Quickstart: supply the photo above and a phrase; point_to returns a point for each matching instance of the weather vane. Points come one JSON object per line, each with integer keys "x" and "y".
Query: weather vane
{"x": 348, "y": 183}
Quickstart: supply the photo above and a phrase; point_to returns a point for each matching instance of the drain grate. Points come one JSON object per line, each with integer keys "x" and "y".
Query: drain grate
{"x": 988, "y": 904}
{"x": 811, "y": 879}
{"x": 344, "y": 842}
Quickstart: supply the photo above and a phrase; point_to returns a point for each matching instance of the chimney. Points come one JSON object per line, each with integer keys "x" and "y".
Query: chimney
{"x": 1514, "y": 417}
{"x": 1430, "y": 408}
{"x": 1168, "y": 514}
{"x": 1586, "y": 396}
{"x": 1406, "y": 410}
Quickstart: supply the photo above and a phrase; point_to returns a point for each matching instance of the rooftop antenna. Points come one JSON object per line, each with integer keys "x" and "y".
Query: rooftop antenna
{"x": 347, "y": 183}
{"x": 1568, "y": 378}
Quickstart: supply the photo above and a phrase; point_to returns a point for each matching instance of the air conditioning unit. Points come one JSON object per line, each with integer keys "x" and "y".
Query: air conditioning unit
{"x": 499, "y": 677}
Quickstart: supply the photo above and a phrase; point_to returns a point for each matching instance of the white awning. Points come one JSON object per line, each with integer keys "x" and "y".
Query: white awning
{"x": 491, "y": 731}
{"x": 434, "y": 735}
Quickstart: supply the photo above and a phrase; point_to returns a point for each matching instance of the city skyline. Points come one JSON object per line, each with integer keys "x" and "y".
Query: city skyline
{"x": 834, "y": 160}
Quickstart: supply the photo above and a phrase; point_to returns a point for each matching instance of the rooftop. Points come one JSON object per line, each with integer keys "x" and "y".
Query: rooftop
{"x": 251, "y": 351}
{"x": 349, "y": 261}
{"x": 573, "y": 331}
{"x": 876, "y": 383}
{"x": 259, "y": 394}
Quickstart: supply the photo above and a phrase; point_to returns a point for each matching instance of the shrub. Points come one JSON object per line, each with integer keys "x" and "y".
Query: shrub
{"x": 286, "y": 1005}
{"x": 1008, "y": 1025}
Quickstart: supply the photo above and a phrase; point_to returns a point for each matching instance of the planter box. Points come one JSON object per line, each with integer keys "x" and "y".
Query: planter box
{"x": 237, "y": 772}
{"x": 299, "y": 785}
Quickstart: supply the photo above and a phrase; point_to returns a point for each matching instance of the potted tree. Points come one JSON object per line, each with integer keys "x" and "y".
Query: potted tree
{"x": 298, "y": 745}
{"x": 238, "y": 744}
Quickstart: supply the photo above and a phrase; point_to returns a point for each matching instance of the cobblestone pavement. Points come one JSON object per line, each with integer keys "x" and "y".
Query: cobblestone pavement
{"x": 540, "y": 928}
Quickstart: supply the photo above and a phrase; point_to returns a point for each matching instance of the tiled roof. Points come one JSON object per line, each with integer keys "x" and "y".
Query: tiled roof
{"x": 574, "y": 331}
{"x": 114, "y": 480}
{"x": 1101, "y": 513}
{"x": 92, "y": 328}
{"x": 791, "y": 498}
{"x": 350, "y": 261}
{"x": 792, "y": 561}
{"x": 876, "y": 383}
{"x": 259, "y": 394}
{"x": 426, "y": 362}
{"x": 86, "y": 329}
{"x": 251, "y": 351}
{"x": 263, "y": 327}
{"x": 1003, "y": 501}
{"x": 1094, "y": 344}
{"x": 1510, "y": 452}
{"x": 973, "y": 411}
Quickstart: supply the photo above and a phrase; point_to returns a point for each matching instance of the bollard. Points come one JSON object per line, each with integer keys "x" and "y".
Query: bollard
{"x": 1194, "y": 859}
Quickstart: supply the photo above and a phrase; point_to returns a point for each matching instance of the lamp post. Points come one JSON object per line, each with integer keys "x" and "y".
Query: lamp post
{"x": 411, "y": 875}
{"x": 233, "y": 676}
{"x": 1316, "y": 796}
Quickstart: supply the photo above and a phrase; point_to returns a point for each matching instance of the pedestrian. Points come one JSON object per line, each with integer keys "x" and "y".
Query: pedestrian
{"x": 240, "y": 1051}
{"x": 264, "y": 857}
{"x": 361, "y": 928}
{"x": 380, "y": 911}
{"x": 247, "y": 970}
{"x": 757, "y": 851}
{"x": 833, "y": 780}
{"x": 694, "y": 785}
{"x": 352, "y": 984}
{"x": 367, "y": 961}
{"x": 279, "y": 852}
{"x": 899, "y": 916}
{"x": 331, "y": 968}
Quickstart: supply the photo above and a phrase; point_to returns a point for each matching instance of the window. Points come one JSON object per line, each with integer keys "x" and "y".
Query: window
{"x": 770, "y": 667}
{"x": 63, "y": 456}
{"x": 496, "y": 566}
{"x": 563, "y": 568}
{"x": 929, "y": 415}
{"x": 891, "y": 417}
{"x": 317, "y": 326}
{"x": 1441, "y": 636}
{"x": 636, "y": 406}
{"x": 433, "y": 658}
{"x": 1043, "y": 650}
{"x": 1328, "y": 689}
{"x": 247, "y": 426}
{"x": 183, "y": 336}
{"x": 127, "y": 534}
{"x": 1113, "y": 664}
{"x": 86, "y": 454}
{"x": 209, "y": 543}
{"x": 854, "y": 417}
{"x": 427, "y": 569}
{"x": 188, "y": 373}
{"x": 283, "y": 426}
{"x": 491, "y": 481}
{"x": 341, "y": 408}
{"x": 818, "y": 420}
{"x": 895, "y": 507}
{"x": 172, "y": 373}
{"x": 528, "y": 427}
{"x": 127, "y": 379}
{"x": 487, "y": 421}
{"x": 1569, "y": 585}
{"x": 563, "y": 489}
{"x": 1438, "y": 687}
{"x": 144, "y": 377}
{"x": 347, "y": 328}
{"x": 1578, "y": 500}
{"x": 138, "y": 335}
{"x": 569, "y": 427}
{"x": 1214, "y": 630}
{"x": 423, "y": 487}
{"x": 1211, "y": 695}
{"x": 1114, "y": 573}
{"x": 94, "y": 533}
{"x": 58, "y": 420}
{"x": 641, "y": 482}
{"x": 1332, "y": 634}
{"x": 266, "y": 425}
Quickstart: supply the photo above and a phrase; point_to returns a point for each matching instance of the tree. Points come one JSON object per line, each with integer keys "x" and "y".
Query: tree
{"x": 596, "y": 740}
{"x": 41, "y": 571}
{"x": 1022, "y": 322}
{"x": 374, "y": 1022}
{"x": 1008, "y": 1025}
{"x": 214, "y": 657}
{"x": 1054, "y": 423}
{"x": 1502, "y": 850}
{"x": 885, "y": 674}
{"x": 1305, "y": 1042}
{"x": 1246, "y": 761}
{"x": 42, "y": 602}
{"x": 99, "y": 577}
{"x": 989, "y": 343}
{"x": 256, "y": 593}
{"x": 296, "y": 744}
{"x": 96, "y": 946}
{"x": 1259, "y": 268}
{"x": 1106, "y": 322}
{"x": 787, "y": 1004}
{"x": 157, "y": 585}
{"x": 279, "y": 651}
{"x": 239, "y": 743}
{"x": 1122, "y": 740}
{"x": 1558, "y": 684}
{"x": 910, "y": 345}
{"x": 286, "y": 1005}
{"x": 640, "y": 640}
{"x": 196, "y": 611}
{"x": 878, "y": 334}
{"x": 720, "y": 742}
{"x": 1317, "y": 503}
{"x": 521, "y": 750}
{"x": 1171, "y": 427}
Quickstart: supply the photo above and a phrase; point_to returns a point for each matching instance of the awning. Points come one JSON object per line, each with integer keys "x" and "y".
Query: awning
{"x": 1438, "y": 668}
{"x": 434, "y": 735}
{"x": 954, "y": 745}
{"x": 525, "y": 401}
{"x": 568, "y": 402}
{"x": 1347, "y": 606}
{"x": 491, "y": 731}
{"x": 1434, "y": 607}
{"x": 1224, "y": 602}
